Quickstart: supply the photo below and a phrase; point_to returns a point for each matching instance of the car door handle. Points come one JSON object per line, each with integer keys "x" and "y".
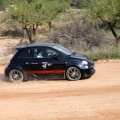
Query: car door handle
{"x": 34, "y": 63}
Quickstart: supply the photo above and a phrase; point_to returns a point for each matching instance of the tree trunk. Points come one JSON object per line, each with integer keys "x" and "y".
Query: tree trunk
{"x": 31, "y": 31}
{"x": 50, "y": 25}
{"x": 34, "y": 31}
{"x": 118, "y": 42}
{"x": 117, "y": 38}
{"x": 29, "y": 34}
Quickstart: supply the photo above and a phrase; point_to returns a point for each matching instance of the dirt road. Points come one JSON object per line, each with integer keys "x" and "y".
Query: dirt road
{"x": 97, "y": 98}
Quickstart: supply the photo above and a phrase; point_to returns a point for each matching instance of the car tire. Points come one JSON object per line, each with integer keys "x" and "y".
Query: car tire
{"x": 73, "y": 74}
{"x": 16, "y": 75}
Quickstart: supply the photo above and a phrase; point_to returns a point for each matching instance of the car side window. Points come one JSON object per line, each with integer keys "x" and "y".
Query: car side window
{"x": 51, "y": 53}
{"x": 27, "y": 53}
{"x": 44, "y": 53}
{"x": 40, "y": 53}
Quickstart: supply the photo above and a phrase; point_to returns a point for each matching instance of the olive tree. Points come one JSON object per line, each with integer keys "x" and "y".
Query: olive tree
{"x": 32, "y": 13}
{"x": 107, "y": 13}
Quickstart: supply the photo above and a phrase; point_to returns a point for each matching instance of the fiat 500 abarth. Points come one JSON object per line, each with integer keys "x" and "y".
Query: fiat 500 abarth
{"x": 48, "y": 59}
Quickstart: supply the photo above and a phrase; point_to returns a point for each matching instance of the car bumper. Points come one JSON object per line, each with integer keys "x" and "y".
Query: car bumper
{"x": 88, "y": 73}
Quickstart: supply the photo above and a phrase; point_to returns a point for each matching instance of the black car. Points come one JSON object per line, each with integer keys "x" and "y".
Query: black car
{"x": 48, "y": 59}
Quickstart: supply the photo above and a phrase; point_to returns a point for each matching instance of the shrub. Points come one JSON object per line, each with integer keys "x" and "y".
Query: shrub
{"x": 11, "y": 28}
{"x": 77, "y": 37}
{"x": 104, "y": 53}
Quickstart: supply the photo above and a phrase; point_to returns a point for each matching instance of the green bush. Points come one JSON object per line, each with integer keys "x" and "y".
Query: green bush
{"x": 104, "y": 53}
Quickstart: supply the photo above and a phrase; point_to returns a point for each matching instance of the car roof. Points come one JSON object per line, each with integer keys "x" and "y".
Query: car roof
{"x": 36, "y": 45}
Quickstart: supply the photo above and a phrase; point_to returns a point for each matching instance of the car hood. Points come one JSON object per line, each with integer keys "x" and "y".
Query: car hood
{"x": 78, "y": 56}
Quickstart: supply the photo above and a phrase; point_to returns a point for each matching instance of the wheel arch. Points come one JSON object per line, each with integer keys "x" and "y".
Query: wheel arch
{"x": 21, "y": 70}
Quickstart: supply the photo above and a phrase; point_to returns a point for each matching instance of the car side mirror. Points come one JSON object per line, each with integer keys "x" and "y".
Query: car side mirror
{"x": 56, "y": 57}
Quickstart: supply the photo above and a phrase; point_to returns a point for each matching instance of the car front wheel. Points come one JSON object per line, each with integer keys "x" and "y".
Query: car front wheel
{"x": 73, "y": 74}
{"x": 16, "y": 75}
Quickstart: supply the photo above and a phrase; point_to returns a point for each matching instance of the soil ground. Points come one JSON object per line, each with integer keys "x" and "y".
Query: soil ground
{"x": 96, "y": 98}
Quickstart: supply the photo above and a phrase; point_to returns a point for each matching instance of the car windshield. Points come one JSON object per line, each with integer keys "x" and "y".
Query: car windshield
{"x": 62, "y": 49}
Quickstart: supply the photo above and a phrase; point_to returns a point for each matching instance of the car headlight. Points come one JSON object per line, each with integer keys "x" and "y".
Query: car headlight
{"x": 84, "y": 62}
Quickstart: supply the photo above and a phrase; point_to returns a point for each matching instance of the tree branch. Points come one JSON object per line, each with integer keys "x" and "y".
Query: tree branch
{"x": 112, "y": 30}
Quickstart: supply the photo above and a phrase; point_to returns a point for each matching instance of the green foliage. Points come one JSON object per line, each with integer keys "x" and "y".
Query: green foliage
{"x": 32, "y": 13}
{"x": 106, "y": 11}
{"x": 10, "y": 2}
{"x": 2, "y": 7}
{"x": 53, "y": 9}
{"x": 104, "y": 53}
{"x": 107, "y": 14}
{"x": 37, "y": 11}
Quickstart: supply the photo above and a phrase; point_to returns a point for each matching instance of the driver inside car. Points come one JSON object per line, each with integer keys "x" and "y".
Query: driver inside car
{"x": 40, "y": 54}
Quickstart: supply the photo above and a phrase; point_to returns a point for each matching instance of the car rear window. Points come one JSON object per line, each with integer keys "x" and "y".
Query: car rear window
{"x": 27, "y": 53}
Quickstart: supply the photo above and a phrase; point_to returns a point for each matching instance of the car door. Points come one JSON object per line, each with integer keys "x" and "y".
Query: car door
{"x": 51, "y": 63}
{"x": 26, "y": 60}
